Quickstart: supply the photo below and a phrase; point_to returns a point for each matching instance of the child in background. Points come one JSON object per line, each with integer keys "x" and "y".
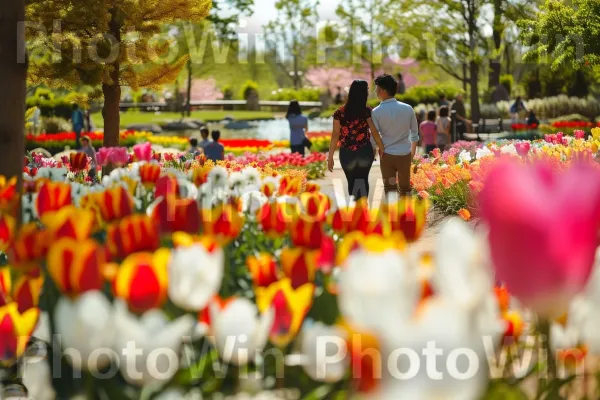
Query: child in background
{"x": 428, "y": 130}
{"x": 443, "y": 125}
{"x": 215, "y": 151}
{"x": 88, "y": 149}
{"x": 204, "y": 134}
{"x": 194, "y": 147}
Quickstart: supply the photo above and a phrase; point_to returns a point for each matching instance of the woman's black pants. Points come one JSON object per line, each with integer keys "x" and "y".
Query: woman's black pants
{"x": 357, "y": 165}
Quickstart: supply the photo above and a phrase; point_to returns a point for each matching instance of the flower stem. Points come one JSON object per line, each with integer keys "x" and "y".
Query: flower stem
{"x": 544, "y": 328}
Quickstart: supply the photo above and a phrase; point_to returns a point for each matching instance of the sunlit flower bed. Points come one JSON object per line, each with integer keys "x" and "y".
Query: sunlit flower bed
{"x": 451, "y": 180}
{"x": 173, "y": 284}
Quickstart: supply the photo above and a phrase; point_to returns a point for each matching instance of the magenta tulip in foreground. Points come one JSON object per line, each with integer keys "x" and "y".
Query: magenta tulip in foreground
{"x": 543, "y": 231}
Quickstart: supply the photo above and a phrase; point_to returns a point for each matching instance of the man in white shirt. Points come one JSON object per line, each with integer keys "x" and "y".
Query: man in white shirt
{"x": 397, "y": 125}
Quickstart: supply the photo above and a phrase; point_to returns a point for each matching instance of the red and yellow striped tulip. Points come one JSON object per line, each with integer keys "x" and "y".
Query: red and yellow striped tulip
{"x": 78, "y": 161}
{"x": 407, "y": 216}
{"x": 366, "y": 371}
{"x": 28, "y": 249}
{"x": 268, "y": 189}
{"x": 142, "y": 280}
{"x": 307, "y": 233}
{"x": 275, "y": 218}
{"x": 373, "y": 243}
{"x": 223, "y": 222}
{"x": 53, "y": 196}
{"x": 149, "y": 174}
{"x": 166, "y": 186}
{"x": 290, "y": 306}
{"x": 8, "y": 193}
{"x": 352, "y": 218}
{"x": 15, "y": 330}
{"x": 70, "y": 221}
{"x": 182, "y": 239}
{"x": 299, "y": 265}
{"x": 113, "y": 204}
{"x": 27, "y": 291}
{"x": 132, "y": 234}
{"x": 7, "y": 230}
{"x": 315, "y": 205}
{"x": 263, "y": 269}
{"x": 177, "y": 215}
{"x": 311, "y": 187}
{"x": 290, "y": 186}
{"x": 200, "y": 176}
{"x": 76, "y": 265}
{"x": 5, "y": 286}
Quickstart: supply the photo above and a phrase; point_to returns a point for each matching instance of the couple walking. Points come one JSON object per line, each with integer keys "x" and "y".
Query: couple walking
{"x": 390, "y": 130}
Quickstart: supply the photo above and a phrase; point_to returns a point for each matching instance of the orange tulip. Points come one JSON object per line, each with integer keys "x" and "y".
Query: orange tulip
{"x": 7, "y": 230}
{"x": 290, "y": 186}
{"x": 69, "y": 221}
{"x": 15, "y": 330}
{"x": 503, "y": 298}
{"x": 78, "y": 161}
{"x": 290, "y": 306}
{"x": 53, "y": 196}
{"x": 514, "y": 325}
{"x": 142, "y": 280}
{"x": 76, "y": 265}
{"x": 407, "y": 216}
{"x": 5, "y": 286}
{"x": 365, "y": 360}
{"x": 132, "y": 234}
{"x": 149, "y": 174}
{"x": 276, "y": 217}
{"x": 263, "y": 269}
{"x": 464, "y": 214}
{"x": 27, "y": 292}
{"x": 174, "y": 215}
{"x": 113, "y": 204}
{"x": 306, "y": 233}
{"x": 8, "y": 193}
{"x": 299, "y": 265}
{"x": 200, "y": 176}
{"x": 223, "y": 222}
{"x": 28, "y": 249}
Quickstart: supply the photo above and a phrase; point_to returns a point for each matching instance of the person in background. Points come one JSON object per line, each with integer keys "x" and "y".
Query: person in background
{"x": 532, "y": 119}
{"x": 397, "y": 123}
{"x": 339, "y": 98}
{"x": 443, "y": 125}
{"x": 461, "y": 113}
{"x": 215, "y": 151}
{"x": 428, "y": 131}
{"x": 204, "y": 132}
{"x": 77, "y": 121}
{"x": 88, "y": 121}
{"x": 194, "y": 148}
{"x": 517, "y": 109}
{"x": 401, "y": 89}
{"x": 443, "y": 101}
{"x": 88, "y": 149}
{"x": 355, "y": 131}
{"x": 298, "y": 127}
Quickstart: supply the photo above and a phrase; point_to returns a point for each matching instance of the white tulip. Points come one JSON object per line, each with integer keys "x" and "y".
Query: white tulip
{"x": 85, "y": 326}
{"x": 483, "y": 152}
{"x": 253, "y": 201}
{"x": 239, "y": 333}
{"x": 149, "y": 346}
{"x": 252, "y": 176}
{"x": 37, "y": 379}
{"x": 325, "y": 353}
{"x": 376, "y": 288}
{"x": 217, "y": 177}
{"x": 464, "y": 156}
{"x": 195, "y": 276}
{"x": 509, "y": 149}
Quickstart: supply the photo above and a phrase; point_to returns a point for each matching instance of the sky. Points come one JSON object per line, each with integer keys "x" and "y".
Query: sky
{"x": 264, "y": 11}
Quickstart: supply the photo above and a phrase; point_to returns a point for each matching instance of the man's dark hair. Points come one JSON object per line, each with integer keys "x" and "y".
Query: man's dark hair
{"x": 194, "y": 142}
{"x": 387, "y": 83}
{"x": 216, "y": 135}
{"x": 444, "y": 111}
{"x": 431, "y": 115}
{"x": 204, "y": 132}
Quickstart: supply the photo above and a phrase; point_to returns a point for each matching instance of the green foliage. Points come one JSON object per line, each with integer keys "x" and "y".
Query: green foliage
{"x": 569, "y": 118}
{"x": 449, "y": 200}
{"x": 247, "y": 88}
{"x": 428, "y": 94}
{"x": 304, "y": 94}
{"x": 55, "y": 125}
{"x": 51, "y": 105}
{"x": 507, "y": 81}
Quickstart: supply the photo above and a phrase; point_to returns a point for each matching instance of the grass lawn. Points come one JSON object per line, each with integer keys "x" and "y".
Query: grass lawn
{"x": 138, "y": 117}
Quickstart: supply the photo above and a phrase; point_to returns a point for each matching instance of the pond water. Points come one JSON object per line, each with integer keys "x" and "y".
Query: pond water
{"x": 275, "y": 129}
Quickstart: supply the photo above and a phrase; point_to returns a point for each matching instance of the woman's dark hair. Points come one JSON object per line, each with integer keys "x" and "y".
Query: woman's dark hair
{"x": 293, "y": 109}
{"x": 431, "y": 115}
{"x": 194, "y": 142}
{"x": 356, "y": 104}
{"x": 444, "y": 111}
{"x": 387, "y": 83}
{"x": 216, "y": 135}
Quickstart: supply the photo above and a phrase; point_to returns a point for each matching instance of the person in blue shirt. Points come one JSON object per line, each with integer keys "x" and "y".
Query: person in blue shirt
{"x": 517, "y": 109}
{"x": 298, "y": 127}
{"x": 215, "y": 151}
{"x": 77, "y": 121}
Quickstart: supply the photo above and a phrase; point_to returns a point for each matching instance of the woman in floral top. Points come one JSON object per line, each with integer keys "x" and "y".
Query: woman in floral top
{"x": 353, "y": 128}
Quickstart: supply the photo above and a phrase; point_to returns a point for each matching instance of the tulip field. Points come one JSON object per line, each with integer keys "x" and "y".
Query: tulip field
{"x": 176, "y": 278}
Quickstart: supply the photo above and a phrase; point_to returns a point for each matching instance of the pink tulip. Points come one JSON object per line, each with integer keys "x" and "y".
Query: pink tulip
{"x": 523, "y": 148}
{"x": 143, "y": 152}
{"x": 543, "y": 230}
{"x": 579, "y": 134}
{"x": 103, "y": 155}
{"x": 118, "y": 156}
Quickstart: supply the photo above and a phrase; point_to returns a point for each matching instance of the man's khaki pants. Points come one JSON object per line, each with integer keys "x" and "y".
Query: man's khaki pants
{"x": 395, "y": 171}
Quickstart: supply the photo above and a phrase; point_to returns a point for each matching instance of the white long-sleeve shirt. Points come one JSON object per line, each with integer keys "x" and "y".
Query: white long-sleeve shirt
{"x": 397, "y": 125}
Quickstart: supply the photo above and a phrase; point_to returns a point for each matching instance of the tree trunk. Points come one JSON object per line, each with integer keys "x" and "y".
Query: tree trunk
{"x": 13, "y": 74}
{"x": 496, "y": 59}
{"x": 296, "y": 76}
{"x": 473, "y": 82}
{"x": 188, "y": 104}
{"x": 465, "y": 79}
{"x": 112, "y": 92}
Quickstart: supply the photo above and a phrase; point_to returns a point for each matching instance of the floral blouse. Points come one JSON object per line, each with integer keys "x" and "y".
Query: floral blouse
{"x": 354, "y": 134}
